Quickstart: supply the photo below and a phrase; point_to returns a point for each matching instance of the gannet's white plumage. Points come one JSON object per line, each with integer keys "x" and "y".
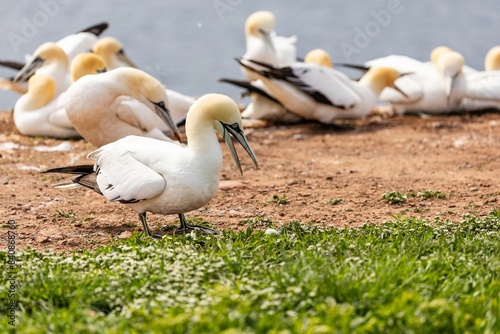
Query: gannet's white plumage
{"x": 483, "y": 88}
{"x": 321, "y": 93}
{"x": 402, "y": 64}
{"x": 81, "y": 41}
{"x": 122, "y": 102}
{"x": 71, "y": 45}
{"x": 113, "y": 53}
{"x": 77, "y": 43}
{"x": 163, "y": 178}
{"x": 263, "y": 108}
{"x": 432, "y": 89}
{"x": 263, "y": 45}
{"x": 179, "y": 105}
{"x": 40, "y": 111}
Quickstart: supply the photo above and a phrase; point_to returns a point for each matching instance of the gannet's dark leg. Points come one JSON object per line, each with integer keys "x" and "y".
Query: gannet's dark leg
{"x": 186, "y": 228}
{"x": 142, "y": 218}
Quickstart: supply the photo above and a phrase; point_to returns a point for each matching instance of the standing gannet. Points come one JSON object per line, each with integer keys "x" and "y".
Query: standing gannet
{"x": 320, "y": 93}
{"x": 40, "y": 111}
{"x": 483, "y": 88}
{"x": 160, "y": 177}
{"x": 263, "y": 45}
{"x": 435, "y": 90}
{"x": 119, "y": 103}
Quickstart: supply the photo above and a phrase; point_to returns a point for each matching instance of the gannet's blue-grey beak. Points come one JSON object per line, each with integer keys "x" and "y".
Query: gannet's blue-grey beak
{"x": 28, "y": 70}
{"x": 235, "y": 130}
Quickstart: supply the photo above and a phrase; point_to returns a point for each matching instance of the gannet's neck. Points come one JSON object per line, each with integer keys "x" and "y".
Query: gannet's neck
{"x": 200, "y": 132}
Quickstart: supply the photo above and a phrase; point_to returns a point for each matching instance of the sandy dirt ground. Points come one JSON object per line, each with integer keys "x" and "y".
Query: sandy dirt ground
{"x": 329, "y": 175}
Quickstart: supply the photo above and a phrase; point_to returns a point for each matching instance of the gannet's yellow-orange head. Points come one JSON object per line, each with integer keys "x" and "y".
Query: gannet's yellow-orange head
{"x": 492, "y": 59}
{"x": 450, "y": 66}
{"x": 107, "y": 46}
{"x": 111, "y": 50}
{"x": 85, "y": 64}
{"x": 146, "y": 89}
{"x": 49, "y": 51}
{"x": 450, "y": 63}
{"x": 46, "y": 53}
{"x": 437, "y": 52}
{"x": 320, "y": 57}
{"x": 379, "y": 78}
{"x": 225, "y": 115}
{"x": 262, "y": 22}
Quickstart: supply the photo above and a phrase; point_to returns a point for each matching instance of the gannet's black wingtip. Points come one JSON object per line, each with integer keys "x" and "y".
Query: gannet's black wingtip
{"x": 96, "y": 29}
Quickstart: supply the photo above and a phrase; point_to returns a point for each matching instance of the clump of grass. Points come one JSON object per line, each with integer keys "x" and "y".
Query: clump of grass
{"x": 335, "y": 201}
{"x": 431, "y": 194}
{"x": 407, "y": 275}
{"x": 257, "y": 222}
{"x": 394, "y": 197}
{"x": 64, "y": 214}
{"x": 280, "y": 200}
{"x": 397, "y": 197}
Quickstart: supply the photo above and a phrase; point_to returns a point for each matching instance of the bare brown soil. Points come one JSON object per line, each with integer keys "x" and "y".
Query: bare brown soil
{"x": 313, "y": 165}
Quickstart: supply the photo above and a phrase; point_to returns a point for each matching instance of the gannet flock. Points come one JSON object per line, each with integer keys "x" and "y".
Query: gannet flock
{"x": 85, "y": 86}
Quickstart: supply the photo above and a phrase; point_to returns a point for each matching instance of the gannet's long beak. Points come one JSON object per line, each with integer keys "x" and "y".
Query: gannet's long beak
{"x": 123, "y": 57}
{"x": 449, "y": 83}
{"x": 268, "y": 39}
{"x": 28, "y": 70}
{"x": 354, "y": 66}
{"x": 164, "y": 114}
{"x": 399, "y": 89}
{"x": 235, "y": 130}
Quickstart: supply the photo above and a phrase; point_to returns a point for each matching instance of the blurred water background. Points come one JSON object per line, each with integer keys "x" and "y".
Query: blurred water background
{"x": 189, "y": 45}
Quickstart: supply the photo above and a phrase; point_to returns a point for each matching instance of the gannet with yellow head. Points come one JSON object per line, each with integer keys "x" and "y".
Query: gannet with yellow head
{"x": 119, "y": 103}
{"x": 160, "y": 177}
{"x": 113, "y": 53}
{"x": 263, "y": 45}
{"x": 40, "y": 111}
{"x": 316, "y": 92}
{"x": 436, "y": 88}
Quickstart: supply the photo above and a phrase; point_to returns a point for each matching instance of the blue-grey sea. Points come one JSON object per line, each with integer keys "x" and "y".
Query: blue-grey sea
{"x": 188, "y": 45}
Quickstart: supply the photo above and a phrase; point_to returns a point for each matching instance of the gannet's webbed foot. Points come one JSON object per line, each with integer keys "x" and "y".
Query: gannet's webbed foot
{"x": 186, "y": 228}
{"x": 142, "y": 218}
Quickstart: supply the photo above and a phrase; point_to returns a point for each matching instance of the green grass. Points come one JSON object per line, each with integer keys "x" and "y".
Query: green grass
{"x": 394, "y": 197}
{"x": 403, "y": 276}
{"x": 280, "y": 200}
{"x": 397, "y": 197}
{"x": 335, "y": 201}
